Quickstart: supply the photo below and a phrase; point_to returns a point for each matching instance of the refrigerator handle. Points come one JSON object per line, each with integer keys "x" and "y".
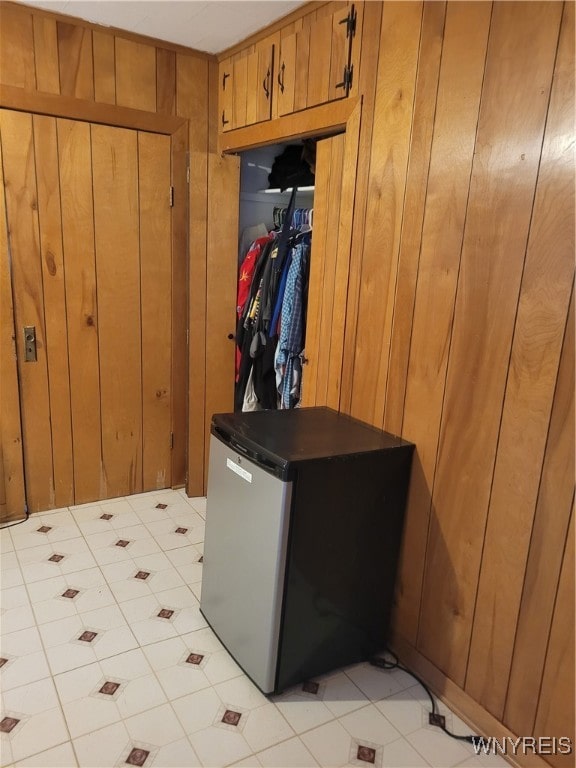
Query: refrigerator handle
{"x": 254, "y": 456}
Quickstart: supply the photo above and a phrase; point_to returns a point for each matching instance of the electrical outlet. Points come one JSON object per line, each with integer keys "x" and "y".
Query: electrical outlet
{"x": 437, "y": 719}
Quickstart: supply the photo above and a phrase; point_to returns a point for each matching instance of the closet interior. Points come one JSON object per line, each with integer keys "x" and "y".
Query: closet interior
{"x": 276, "y": 216}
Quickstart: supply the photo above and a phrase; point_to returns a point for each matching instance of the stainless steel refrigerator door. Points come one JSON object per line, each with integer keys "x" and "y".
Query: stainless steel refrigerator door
{"x": 247, "y": 519}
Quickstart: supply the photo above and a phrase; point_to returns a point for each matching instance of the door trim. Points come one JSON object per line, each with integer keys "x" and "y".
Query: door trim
{"x": 87, "y": 111}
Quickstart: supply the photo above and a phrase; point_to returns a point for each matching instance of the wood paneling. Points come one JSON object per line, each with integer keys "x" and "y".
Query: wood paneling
{"x": 221, "y": 272}
{"x": 549, "y": 532}
{"x": 12, "y": 501}
{"x": 82, "y": 316}
{"x": 395, "y": 84}
{"x": 53, "y": 279}
{"x": 75, "y": 61}
{"x": 413, "y": 219}
{"x": 156, "y": 301}
{"x": 165, "y": 82}
{"x": 534, "y": 359}
{"x": 135, "y": 75}
{"x": 46, "y": 55}
{"x": 556, "y": 703}
{"x": 104, "y": 68}
{"x": 508, "y": 143}
{"x": 17, "y": 138}
{"x": 115, "y": 180}
{"x": 452, "y": 151}
{"x": 17, "y": 47}
{"x": 192, "y": 85}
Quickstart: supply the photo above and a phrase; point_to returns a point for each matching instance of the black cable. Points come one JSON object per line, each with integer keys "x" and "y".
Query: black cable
{"x": 382, "y": 663}
{"x": 11, "y": 525}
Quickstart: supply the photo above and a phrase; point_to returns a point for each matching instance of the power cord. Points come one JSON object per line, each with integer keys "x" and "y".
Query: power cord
{"x": 18, "y": 522}
{"x": 434, "y": 717}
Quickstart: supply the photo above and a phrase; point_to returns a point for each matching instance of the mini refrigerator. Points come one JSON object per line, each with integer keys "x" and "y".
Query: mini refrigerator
{"x": 303, "y": 529}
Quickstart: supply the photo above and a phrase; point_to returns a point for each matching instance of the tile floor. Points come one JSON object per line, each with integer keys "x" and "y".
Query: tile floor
{"x": 106, "y": 660}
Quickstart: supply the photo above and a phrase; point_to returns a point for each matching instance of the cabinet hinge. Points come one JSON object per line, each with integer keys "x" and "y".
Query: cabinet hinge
{"x": 347, "y": 78}
{"x": 350, "y": 22}
{"x": 171, "y": 441}
{"x": 171, "y": 197}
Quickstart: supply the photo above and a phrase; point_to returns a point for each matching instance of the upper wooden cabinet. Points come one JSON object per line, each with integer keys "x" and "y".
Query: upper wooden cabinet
{"x": 311, "y": 63}
{"x": 246, "y": 88}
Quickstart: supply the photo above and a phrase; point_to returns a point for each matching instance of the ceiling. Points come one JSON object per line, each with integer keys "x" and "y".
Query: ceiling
{"x": 206, "y": 25}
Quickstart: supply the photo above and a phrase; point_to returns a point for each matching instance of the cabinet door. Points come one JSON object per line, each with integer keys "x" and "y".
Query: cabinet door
{"x": 239, "y": 92}
{"x": 263, "y": 85}
{"x": 286, "y": 79}
{"x": 225, "y": 103}
{"x": 316, "y": 64}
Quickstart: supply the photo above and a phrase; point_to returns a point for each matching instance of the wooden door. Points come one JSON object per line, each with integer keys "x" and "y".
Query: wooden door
{"x": 89, "y": 221}
{"x": 336, "y": 160}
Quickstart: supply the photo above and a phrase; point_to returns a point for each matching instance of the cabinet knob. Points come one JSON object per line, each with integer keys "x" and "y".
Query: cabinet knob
{"x": 230, "y": 336}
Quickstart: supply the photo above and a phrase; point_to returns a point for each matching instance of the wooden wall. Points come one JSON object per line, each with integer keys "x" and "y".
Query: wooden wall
{"x": 93, "y": 71}
{"x": 459, "y": 337}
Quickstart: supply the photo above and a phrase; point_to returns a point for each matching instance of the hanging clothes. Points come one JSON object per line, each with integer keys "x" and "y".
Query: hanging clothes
{"x": 287, "y": 362}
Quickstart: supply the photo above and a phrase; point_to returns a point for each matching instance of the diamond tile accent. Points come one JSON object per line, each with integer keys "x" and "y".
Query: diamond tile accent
{"x": 137, "y": 756}
{"x": 44, "y": 528}
{"x": 161, "y": 506}
{"x": 109, "y": 688}
{"x": 2, "y": 662}
{"x": 366, "y": 754}
{"x": 106, "y": 516}
{"x": 181, "y": 530}
{"x": 87, "y": 636}
{"x": 165, "y": 613}
{"x": 56, "y": 558}
{"x": 71, "y": 593}
{"x": 143, "y": 575}
{"x": 231, "y": 718}
{"x": 7, "y": 724}
{"x": 311, "y": 687}
{"x": 194, "y": 658}
{"x": 122, "y": 543}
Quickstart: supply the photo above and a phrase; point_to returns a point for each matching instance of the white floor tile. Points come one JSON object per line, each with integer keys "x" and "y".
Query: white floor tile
{"x": 221, "y": 667}
{"x": 368, "y": 724}
{"x": 5, "y": 541}
{"x": 375, "y": 683}
{"x": 197, "y": 711}
{"x": 16, "y": 611}
{"x": 216, "y": 746}
{"x": 242, "y": 692}
{"x": 400, "y": 754}
{"x": 41, "y": 723}
{"x": 50, "y": 560}
{"x": 265, "y": 726}
{"x": 103, "y": 747}
{"x": 170, "y": 680}
{"x": 61, "y": 756}
{"x": 303, "y": 714}
{"x": 406, "y": 710}
{"x": 176, "y": 755}
{"x": 439, "y": 750}
{"x": 288, "y": 754}
{"x": 11, "y": 577}
{"x": 341, "y": 695}
{"x": 158, "y": 726}
{"x": 330, "y": 744}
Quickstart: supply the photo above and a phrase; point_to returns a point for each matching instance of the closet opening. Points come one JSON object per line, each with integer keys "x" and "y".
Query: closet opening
{"x": 275, "y": 249}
